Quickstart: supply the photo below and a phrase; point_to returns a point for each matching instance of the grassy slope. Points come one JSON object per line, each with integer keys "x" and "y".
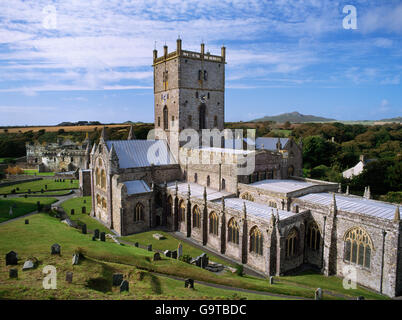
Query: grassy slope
{"x": 40, "y": 184}
{"x": 77, "y": 204}
{"x": 33, "y": 172}
{"x": 24, "y": 206}
{"x": 46, "y": 231}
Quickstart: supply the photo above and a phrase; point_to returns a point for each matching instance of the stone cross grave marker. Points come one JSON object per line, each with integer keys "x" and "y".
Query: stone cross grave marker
{"x": 69, "y": 277}
{"x": 11, "y": 258}
{"x": 179, "y": 250}
{"x": 55, "y": 249}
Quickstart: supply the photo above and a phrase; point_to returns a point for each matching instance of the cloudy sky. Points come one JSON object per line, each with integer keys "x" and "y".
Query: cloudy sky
{"x": 73, "y": 60}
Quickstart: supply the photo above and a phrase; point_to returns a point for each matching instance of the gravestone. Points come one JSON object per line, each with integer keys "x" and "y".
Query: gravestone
{"x": 13, "y": 273}
{"x": 29, "y": 264}
{"x": 318, "y": 294}
{"x": 102, "y": 236}
{"x": 84, "y": 229}
{"x": 84, "y": 209}
{"x": 198, "y": 261}
{"x": 189, "y": 283}
{"x": 271, "y": 280}
{"x": 124, "y": 286}
{"x": 5, "y": 196}
{"x": 85, "y": 201}
{"x": 96, "y": 233}
{"x": 76, "y": 258}
{"x": 360, "y": 298}
{"x": 174, "y": 254}
{"x": 157, "y": 256}
{"x": 69, "y": 277}
{"x": 72, "y": 212}
{"x": 93, "y": 238}
{"x": 179, "y": 250}
{"x": 10, "y": 213}
{"x": 136, "y": 244}
{"x": 29, "y": 191}
{"x": 11, "y": 258}
{"x": 167, "y": 253}
{"x": 204, "y": 260}
{"x": 117, "y": 279}
{"x": 55, "y": 249}
{"x": 26, "y": 221}
{"x": 149, "y": 247}
{"x": 46, "y": 186}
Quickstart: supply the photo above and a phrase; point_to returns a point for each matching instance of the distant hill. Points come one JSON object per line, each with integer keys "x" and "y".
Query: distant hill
{"x": 294, "y": 117}
{"x": 396, "y": 119}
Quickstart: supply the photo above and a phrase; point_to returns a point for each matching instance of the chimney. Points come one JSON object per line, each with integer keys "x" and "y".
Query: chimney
{"x": 202, "y": 48}
{"x": 155, "y": 54}
{"x": 362, "y": 158}
{"x": 178, "y": 42}
{"x": 165, "y": 50}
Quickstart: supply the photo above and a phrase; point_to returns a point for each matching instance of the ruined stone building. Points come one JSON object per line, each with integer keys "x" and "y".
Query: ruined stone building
{"x": 58, "y": 157}
{"x": 269, "y": 218}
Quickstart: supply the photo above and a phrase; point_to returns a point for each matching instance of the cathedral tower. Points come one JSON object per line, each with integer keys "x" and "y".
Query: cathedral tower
{"x": 189, "y": 91}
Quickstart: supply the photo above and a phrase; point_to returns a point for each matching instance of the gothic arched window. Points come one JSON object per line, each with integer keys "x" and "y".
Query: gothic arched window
{"x": 195, "y": 177}
{"x": 256, "y": 241}
{"x": 213, "y": 223}
{"x": 97, "y": 177}
{"x": 182, "y": 211}
{"x": 138, "y": 212}
{"x": 208, "y": 181}
{"x": 313, "y": 237}
{"x": 233, "y": 231}
{"x": 196, "y": 217}
{"x": 358, "y": 247}
{"x": 170, "y": 206}
{"x": 104, "y": 205}
{"x": 103, "y": 179}
{"x": 202, "y": 117}
{"x": 291, "y": 243}
{"x": 223, "y": 184}
{"x": 165, "y": 118}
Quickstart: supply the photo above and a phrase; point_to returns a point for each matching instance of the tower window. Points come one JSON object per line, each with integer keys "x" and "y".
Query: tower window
{"x": 159, "y": 121}
{"x": 202, "y": 117}
{"x": 190, "y": 121}
{"x": 199, "y": 75}
{"x": 165, "y": 118}
{"x": 196, "y": 94}
{"x": 215, "y": 121}
{"x": 208, "y": 95}
{"x": 205, "y": 75}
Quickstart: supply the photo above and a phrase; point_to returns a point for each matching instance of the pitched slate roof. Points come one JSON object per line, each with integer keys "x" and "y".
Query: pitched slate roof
{"x": 269, "y": 143}
{"x": 283, "y": 186}
{"x": 141, "y": 153}
{"x": 136, "y": 186}
{"x": 197, "y": 190}
{"x": 354, "y": 204}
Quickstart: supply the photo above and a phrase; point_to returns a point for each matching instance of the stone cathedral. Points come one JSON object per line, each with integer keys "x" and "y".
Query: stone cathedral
{"x": 270, "y": 218}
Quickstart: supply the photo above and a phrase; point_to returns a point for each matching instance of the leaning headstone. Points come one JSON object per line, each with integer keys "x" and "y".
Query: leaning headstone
{"x": 10, "y": 213}
{"x": 136, "y": 244}
{"x": 360, "y": 298}
{"x": 84, "y": 229}
{"x": 26, "y": 221}
{"x": 96, "y": 233}
{"x": 198, "y": 261}
{"x": 271, "y": 280}
{"x": 157, "y": 256}
{"x": 11, "y": 258}
{"x": 55, "y": 249}
{"x": 189, "y": 283}
{"x": 84, "y": 209}
{"x": 102, "y": 236}
{"x": 76, "y": 258}
{"x": 174, "y": 254}
{"x": 124, "y": 286}
{"x": 204, "y": 260}
{"x": 13, "y": 273}
{"x": 69, "y": 277}
{"x": 167, "y": 253}
{"x": 29, "y": 264}
{"x": 179, "y": 250}
{"x": 149, "y": 247}
{"x": 93, "y": 238}
{"x": 117, "y": 279}
{"x": 318, "y": 294}
{"x": 72, "y": 212}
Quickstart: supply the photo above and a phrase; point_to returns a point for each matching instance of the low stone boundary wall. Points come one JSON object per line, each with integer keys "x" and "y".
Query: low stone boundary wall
{"x": 11, "y": 183}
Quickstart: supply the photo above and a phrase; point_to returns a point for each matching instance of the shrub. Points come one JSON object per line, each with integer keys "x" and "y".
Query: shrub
{"x": 239, "y": 270}
{"x": 185, "y": 258}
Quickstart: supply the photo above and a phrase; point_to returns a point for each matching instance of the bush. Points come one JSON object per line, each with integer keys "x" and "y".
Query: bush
{"x": 239, "y": 270}
{"x": 185, "y": 258}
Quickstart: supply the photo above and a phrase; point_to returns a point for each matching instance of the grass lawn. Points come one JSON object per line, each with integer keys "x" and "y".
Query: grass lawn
{"x": 285, "y": 132}
{"x": 169, "y": 243}
{"x": 24, "y": 206}
{"x": 92, "y": 278}
{"x": 33, "y": 172}
{"x": 40, "y": 184}
{"x": 6, "y": 160}
{"x": 77, "y": 204}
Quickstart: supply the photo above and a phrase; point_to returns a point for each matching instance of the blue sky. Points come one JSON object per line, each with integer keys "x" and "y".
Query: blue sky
{"x": 76, "y": 60}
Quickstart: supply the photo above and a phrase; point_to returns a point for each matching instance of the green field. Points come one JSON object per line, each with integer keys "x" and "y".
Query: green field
{"x": 24, "y": 206}
{"x": 33, "y": 172}
{"x": 36, "y": 186}
{"x": 79, "y": 217}
{"x": 6, "y": 160}
{"x": 169, "y": 243}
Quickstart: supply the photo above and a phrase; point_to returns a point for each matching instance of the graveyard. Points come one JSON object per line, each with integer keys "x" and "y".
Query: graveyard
{"x": 39, "y": 185}
{"x": 146, "y": 271}
{"x": 20, "y": 206}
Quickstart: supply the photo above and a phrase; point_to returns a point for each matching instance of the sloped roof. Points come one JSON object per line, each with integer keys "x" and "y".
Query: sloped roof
{"x": 283, "y": 186}
{"x": 269, "y": 143}
{"x": 197, "y": 190}
{"x": 136, "y": 186}
{"x": 354, "y": 204}
{"x": 256, "y": 209}
{"x": 141, "y": 153}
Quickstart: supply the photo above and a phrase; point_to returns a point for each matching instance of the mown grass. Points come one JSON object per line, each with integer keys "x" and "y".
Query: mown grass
{"x": 77, "y": 203}
{"x": 23, "y": 206}
{"x": 37, "y": 186}
{"x": 36, "y": 239}
{"x": 33, "y": 172}
{"x": 169, "y": 243}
